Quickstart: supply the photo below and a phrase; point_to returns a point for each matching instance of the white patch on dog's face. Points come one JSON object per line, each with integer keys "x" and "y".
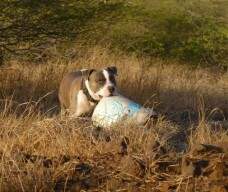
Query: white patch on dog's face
{"x": 106, "y": 91}
{"x": 101, "y": 84}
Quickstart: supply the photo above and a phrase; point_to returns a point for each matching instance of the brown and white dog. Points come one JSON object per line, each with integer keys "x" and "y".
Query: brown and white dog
{"x": 80, "y": 91}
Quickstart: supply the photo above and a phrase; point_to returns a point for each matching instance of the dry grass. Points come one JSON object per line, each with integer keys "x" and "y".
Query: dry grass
{"x": 42, "y": 151}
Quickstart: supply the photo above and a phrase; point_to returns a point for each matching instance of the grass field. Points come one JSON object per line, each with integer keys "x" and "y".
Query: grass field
{"x": 42, "y": 151}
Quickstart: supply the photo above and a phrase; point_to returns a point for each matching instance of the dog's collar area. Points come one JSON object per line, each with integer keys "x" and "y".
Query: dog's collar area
{"x": 86, "y": 92}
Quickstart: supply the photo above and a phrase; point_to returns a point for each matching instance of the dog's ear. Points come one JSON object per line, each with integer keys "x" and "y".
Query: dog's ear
{"x": 113, "y": 70}
{"x": 87, "y": 72}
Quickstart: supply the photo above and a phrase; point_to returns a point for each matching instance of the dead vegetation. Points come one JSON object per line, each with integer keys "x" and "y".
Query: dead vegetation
{"x": 185, "y": 151}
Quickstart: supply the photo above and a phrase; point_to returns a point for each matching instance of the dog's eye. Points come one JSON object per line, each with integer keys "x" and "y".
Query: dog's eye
{"x": 112, "y": 78}
{"x": 101, "y": 80}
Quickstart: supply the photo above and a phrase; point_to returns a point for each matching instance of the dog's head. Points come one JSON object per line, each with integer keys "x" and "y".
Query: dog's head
{"x": 101, "y": 83}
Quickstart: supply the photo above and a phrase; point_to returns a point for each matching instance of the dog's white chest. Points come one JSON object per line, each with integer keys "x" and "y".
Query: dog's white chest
{"x": 83, "y": 105}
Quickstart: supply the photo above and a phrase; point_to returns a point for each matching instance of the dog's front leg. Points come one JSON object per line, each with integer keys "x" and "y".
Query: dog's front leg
{"x": 81, "y": 105}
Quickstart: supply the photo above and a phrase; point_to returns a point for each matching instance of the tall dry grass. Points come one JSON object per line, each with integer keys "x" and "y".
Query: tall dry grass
{"x": 42, "y": 151}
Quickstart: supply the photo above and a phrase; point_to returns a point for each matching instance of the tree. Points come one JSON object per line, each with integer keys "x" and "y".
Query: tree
{"x": 26, "y": 25}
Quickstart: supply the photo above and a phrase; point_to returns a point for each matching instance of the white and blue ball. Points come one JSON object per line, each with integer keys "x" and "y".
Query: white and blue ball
{"x": 112, "y": 110}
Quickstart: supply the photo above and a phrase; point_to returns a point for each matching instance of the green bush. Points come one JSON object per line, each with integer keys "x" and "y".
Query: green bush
{"x": 191, "y": 32}
{"x": 194, "y": 31}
